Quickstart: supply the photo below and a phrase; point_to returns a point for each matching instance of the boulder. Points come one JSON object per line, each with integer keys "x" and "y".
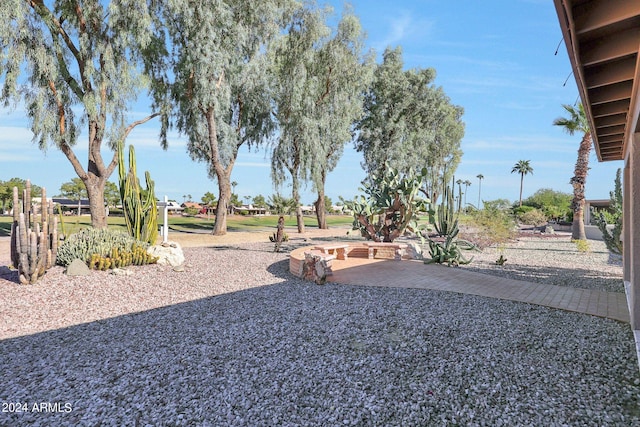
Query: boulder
{"x": 78, "y": 268}
{"x": 168, "y": 253}
{"x": 414, "y": 250}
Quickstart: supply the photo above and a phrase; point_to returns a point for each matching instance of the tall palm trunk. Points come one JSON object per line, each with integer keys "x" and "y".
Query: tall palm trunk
{"x": 578, "y": 182}
{"x": 521, "y": 183}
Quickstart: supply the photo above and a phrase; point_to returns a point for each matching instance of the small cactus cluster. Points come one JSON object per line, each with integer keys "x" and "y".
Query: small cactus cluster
{"x": 88, "y": 242}
{"x": 34, "y": 243}
{"x": 118, "y": 259}
{"x": 448, "y": 251}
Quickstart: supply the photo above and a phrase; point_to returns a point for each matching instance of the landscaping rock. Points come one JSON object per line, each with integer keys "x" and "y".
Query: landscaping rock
{"x": 169, "y": 253}
{"x": 414, "y": 250}
{"x": 78, "y": 268}
{"x": 121, "y": 272}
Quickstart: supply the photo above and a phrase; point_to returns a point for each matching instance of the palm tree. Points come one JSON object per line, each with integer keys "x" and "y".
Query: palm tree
{"x": 577, "y": 121}
{"x": 523, "y": 167}
{"x": 480, "y": 178}
{"x": 466, "y": 183}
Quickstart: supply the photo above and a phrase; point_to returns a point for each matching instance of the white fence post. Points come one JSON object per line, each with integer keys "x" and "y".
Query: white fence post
{"x": 165, "y": 221}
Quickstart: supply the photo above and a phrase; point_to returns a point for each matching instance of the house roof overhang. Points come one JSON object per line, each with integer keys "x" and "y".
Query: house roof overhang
{"x": 603, "y": 42}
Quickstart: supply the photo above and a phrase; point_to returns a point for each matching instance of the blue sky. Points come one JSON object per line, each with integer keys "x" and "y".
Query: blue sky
{"x": 494, "y": 58}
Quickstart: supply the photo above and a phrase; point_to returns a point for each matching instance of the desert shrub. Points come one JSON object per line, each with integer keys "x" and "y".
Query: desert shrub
{"x": 91, "y": 241}
{"x": 492, "y": 225}
{"x": 191, "y": 210}
{"x": 555, "y": 204}
{"x": 533, "y": 217}
{"x": 582, "y": 245}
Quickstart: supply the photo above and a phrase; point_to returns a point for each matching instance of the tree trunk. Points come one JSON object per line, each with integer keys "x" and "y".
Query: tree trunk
{"x": 300, "y": 219}
{"x": 295, "y": 193}
{"x": 321, "y": 210}
{"x": 577, "y": 228}
{"x": 223, "y": 175}
{"x": 578, "y": 182}
{"x": 521, "y": 182}
{"x": 220, "y": 225}
{"x": 95, "y": 193}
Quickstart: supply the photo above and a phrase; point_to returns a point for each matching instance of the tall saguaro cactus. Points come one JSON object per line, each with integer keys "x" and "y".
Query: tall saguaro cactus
{"x": 34, "y": 243}
{"x": 139, "y": 207}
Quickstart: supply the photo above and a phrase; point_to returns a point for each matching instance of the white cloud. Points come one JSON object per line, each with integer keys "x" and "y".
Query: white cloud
{"x": 402, "y": 27}
{"x": 533, "y": 144}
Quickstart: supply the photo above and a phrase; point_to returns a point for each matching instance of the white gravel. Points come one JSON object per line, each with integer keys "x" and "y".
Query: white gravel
{"x": 235, "y": 340}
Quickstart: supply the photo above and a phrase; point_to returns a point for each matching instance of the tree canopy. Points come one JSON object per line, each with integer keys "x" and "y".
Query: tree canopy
{"x": 320, "y": 77}
{"x": 409, "y": 123}
{"x": 220, "y": 93}
{"x": 522, "y": 167}
{"x": 77, "y": 65}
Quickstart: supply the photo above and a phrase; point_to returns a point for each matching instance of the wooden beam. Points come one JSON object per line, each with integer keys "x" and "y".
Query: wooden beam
{"x": 610, "y": 73}
{"x": 615, "y": 92}
{"x": 610, "y": 47}
{"x": 610, "y": 138}
{"x": 618, "y": 119}
{"x": 597, "y": 14}
{"x": 611, "y": 130}
{"x": 610, "y": 108}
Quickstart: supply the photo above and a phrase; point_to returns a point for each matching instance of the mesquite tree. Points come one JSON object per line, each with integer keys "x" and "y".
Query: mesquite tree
{"x": 221, "y": 87}
{"x": 77, "y": 64}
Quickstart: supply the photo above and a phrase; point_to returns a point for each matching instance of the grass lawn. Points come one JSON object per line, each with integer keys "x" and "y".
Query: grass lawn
{"x": 192, "y": 224}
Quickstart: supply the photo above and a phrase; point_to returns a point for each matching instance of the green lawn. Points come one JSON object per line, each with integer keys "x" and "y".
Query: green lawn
{"x": 192, "y": 224}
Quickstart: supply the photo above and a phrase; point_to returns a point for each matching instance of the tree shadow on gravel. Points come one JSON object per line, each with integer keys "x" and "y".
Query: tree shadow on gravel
{"x": 8, "y": 274}
{"x": 301, "y": 354}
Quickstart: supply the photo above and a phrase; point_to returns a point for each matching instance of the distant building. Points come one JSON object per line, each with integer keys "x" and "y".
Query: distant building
{"x": 71, "y": 205}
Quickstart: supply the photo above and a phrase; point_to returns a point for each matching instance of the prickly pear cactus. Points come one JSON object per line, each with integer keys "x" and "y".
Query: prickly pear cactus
{"x": 390, "y": 207}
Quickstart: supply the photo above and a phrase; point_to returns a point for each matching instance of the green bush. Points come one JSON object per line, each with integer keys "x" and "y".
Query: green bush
{"x": 533, "y": 217}
{"x": 91, "y": 241}
{"x": 520, "y": 210}
{"x": 555, "y": 204}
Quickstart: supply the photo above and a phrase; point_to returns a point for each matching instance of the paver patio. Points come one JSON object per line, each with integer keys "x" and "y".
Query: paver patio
{"x": 414, "y": 274}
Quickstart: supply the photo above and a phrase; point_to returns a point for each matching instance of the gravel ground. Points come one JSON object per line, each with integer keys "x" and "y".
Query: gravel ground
{"x": 235, "y": 340}
{"x": 553, "y": 260}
